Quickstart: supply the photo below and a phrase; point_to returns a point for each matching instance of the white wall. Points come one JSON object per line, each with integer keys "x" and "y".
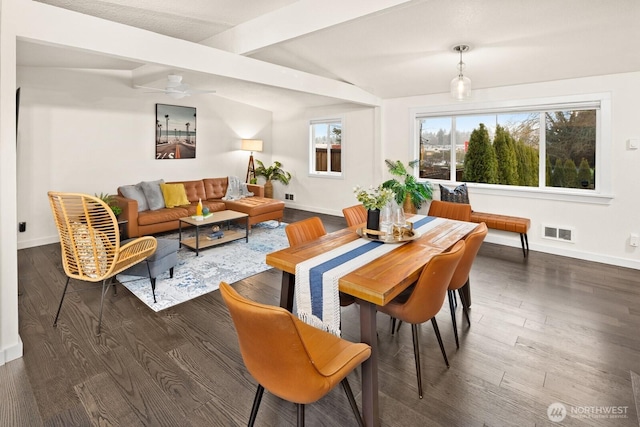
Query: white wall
{"x": 602, "y": 230}
{"x": 360, "y": 151}
{"x": 90, "y": 132}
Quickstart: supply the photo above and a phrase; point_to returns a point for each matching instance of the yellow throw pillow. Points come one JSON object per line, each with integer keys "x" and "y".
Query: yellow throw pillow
{"x": 174, "y": 195}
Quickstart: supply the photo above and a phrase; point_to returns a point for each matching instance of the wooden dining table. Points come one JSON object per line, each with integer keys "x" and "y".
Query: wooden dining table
{"x": 373, "y": 284}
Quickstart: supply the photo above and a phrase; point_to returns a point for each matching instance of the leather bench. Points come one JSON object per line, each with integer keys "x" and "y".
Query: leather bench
{"x": 506, "y": 223}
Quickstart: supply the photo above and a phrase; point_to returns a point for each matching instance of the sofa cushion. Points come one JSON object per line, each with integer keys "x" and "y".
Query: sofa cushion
{"x": 162, "y": 215}
{"x": 153, "y": 194}
{"x": 254, "y": 206}
{"x": 194, "y": 189}
{"x": 135, "y": 192}
{"x": 174, "y": 195}
{"x": 215, "y": 188}
{"x": 456, "y": 195}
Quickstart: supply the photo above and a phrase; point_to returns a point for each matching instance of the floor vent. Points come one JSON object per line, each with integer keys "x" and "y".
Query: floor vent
{"x": 563, "y": 234}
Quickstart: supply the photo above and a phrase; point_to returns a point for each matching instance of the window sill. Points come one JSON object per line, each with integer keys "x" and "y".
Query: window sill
{"x": 559, "y": 194}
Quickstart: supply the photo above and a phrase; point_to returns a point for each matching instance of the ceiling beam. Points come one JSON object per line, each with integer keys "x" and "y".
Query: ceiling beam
{"x": 46, "y": 24}
{"x": 297, "y": 19}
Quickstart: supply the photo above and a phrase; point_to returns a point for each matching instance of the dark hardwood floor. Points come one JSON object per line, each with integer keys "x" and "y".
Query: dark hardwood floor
{"x": 546, "y": 329}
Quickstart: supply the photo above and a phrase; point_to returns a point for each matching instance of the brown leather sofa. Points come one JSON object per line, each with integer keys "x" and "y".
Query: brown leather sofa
{"x": 210, "y": 191}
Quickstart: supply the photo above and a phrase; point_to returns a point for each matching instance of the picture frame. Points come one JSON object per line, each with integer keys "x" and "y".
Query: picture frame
{"x": 175, "y": 132}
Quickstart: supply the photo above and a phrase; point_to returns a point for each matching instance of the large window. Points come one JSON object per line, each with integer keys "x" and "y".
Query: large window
{"x": 544, "y": 146}
{"x": 325, "y": 153}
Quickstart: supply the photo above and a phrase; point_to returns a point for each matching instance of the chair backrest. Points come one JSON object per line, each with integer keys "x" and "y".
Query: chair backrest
{"x": 459, "y": 211}
{"x": 472, "y": 245}
{"x": 276, "y": 349}
{"x": 355, "y": 215}
{"x": 300, "y": 232}
{"x": 431, "y": 288}
{"x": 89, "y": 235}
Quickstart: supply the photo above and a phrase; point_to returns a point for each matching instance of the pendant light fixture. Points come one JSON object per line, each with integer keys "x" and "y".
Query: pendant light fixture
{"x": 461, "y": 85}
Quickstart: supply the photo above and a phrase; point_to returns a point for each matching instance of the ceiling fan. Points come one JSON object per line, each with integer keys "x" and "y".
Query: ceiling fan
{"x": 176, "y": 89}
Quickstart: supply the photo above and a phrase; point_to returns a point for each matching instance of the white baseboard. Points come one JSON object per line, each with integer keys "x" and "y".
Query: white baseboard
{"x": 513, "y": 240}
{"x": 11, "y": 353}
{"x": 38, "y": 242}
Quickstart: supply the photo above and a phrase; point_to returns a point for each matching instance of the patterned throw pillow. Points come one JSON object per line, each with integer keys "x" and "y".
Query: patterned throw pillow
{"x": 457, "y": 195}
{"x": 93, "y": 259}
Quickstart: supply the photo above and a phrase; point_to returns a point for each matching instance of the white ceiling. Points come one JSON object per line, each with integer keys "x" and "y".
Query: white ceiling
{"x": 402, "y": 49}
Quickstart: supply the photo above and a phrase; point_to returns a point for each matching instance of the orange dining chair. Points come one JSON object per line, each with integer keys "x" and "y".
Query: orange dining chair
{"x": 450, "y": 210}
{"x": 461, "y": 276}
{"x": 303, "y": 231}
{"x": 300, "y": 232}
{"x": 289, "y": 358}
{"x": 355, "y": 215}
{"x": 424, "y": 300}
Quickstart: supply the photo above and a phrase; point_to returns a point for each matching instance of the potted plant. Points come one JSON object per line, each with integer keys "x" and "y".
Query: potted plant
{"x": 373, "y": 199}
{"x": 109, "y": 200}
{"x": 410, "y": 193}
{"x": 272, "y": 173}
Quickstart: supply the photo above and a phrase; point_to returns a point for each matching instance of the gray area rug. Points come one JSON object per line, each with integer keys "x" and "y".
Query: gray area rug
{"x": 198, "y": 275}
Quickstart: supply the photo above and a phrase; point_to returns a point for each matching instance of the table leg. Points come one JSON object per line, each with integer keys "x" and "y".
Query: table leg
{"x": 179, "y": 234}
{"x": 246, "y": 229}
{"x": 286, "y": 290}
{"x": 197, "y": 240}
{"x": 368, "y": 335}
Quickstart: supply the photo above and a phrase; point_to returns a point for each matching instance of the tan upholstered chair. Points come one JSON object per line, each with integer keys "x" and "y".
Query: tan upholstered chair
{"x": 303, "y": 231}
{"x": 424, "y": 300}
{"x": 450, "y": 210}
{"x": 90, "y": 242}
{"x": 289, "y": 358}
{"x": 461, "y": 276}
{"x": 355, "y": 215}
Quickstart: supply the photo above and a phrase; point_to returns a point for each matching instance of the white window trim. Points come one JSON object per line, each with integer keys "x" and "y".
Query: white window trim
{"x": 604, "y": 168}
{"x": 311, "y": 172}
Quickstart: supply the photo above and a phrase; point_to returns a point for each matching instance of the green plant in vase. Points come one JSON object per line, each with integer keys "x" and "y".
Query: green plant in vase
{"x": 272, "y": 173}
{"x": 410, "y": 193}
{"x": 110, "y": 200}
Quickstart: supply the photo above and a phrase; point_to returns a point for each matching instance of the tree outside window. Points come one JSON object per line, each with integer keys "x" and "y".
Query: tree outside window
{"x": 505, "y": 148}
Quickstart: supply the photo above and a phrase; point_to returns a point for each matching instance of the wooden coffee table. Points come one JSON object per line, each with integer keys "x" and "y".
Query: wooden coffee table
{"x": 203, "y": 240}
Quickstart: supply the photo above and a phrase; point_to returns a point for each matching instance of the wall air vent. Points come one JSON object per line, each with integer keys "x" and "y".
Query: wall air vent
{"x": 560, "y": 233}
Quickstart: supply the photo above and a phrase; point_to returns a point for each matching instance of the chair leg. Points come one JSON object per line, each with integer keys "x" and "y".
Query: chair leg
{"x": 465, "y": 310}
{"x": 256, "y": 405}
{"x": 393, "y": 325}
{"x": 416, "y": 355}
{"x": 153, "y": 282}
{"x": 352, "y": 401}
{"x": 105, "y": 289}
{"x": 437, "y": 331}
{"x": 300, "y": 414}
{"x": 450, "y": 295}
{"x": 55, "y": 321}
{"x": 399, "y": 324}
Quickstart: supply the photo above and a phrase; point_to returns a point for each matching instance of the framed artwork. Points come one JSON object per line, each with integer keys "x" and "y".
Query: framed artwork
{"x": 175, "y": 132}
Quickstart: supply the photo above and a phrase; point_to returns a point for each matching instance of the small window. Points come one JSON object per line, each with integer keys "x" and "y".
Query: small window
{"x": 325, "y": 147}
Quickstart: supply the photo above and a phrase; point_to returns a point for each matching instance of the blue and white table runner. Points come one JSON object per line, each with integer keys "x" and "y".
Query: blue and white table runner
{"x": 316, "y": 286}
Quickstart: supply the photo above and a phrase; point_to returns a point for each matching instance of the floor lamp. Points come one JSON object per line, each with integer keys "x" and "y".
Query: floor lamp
{"x": 251, "y": 145}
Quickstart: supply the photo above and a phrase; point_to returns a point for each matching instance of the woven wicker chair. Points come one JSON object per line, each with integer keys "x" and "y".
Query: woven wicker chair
{"x": 90, "y": 242}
